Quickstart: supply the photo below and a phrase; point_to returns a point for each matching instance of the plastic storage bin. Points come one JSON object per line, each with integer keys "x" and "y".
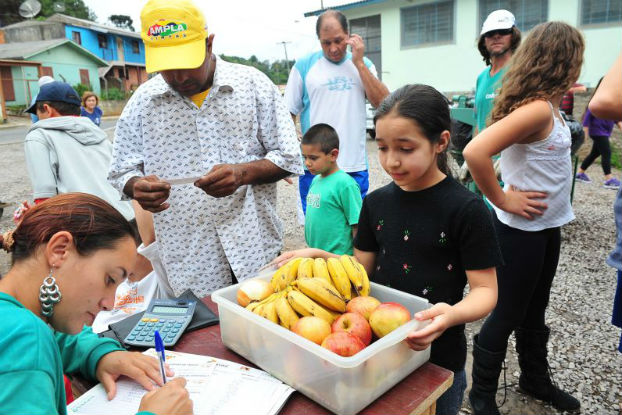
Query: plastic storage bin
{"x": 344, "y": 385}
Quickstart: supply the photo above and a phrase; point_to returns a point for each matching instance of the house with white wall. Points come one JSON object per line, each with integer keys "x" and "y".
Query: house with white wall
{"x": 435, "y": 41}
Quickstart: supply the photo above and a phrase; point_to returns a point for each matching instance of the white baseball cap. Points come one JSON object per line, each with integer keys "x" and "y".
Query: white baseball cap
{"x": 499, "y": 19}
{"x": 45, "y": 80}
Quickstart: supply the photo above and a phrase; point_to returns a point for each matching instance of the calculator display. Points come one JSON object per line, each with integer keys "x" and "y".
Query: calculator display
{"x": 169, "y": 310}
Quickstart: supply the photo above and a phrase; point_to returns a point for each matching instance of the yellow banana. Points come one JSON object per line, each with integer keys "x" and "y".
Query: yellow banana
{"x": 365, "y": 279}
{"x": 339, "y": 277}
{"x": 269, "y": 311}
{"x": 305, "y": 269}
{"x": 287, "y": 315}
{"x": 284, "y": 275}
{"x": 323, "y": 293}
{"x": 320, "y": 270}
{"x": 293, "y": 270}
{"x": 354, "y": 274}
{"x": 253, "y": 305}
{"x": 307, "y": 307}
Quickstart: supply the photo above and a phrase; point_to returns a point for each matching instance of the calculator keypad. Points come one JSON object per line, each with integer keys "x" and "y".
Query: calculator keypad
{"x": 144, "y": 330}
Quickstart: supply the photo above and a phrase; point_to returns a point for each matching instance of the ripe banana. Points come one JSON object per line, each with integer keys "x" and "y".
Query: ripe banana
{"x": 339, "y": 277}
{"x": 305, "y": 269}
{"x": 269, "y": 311}
{"x": 320, "y": 270}
{"x": 307, "y": 307}
{"x": 272, "y": 297}
{"x": 287, "y": 315}
{"x": 354, "y": 274}
{"x": 323, "y": 293}
{"x": 284, "y": 275}
{"x": 365, "y": 289}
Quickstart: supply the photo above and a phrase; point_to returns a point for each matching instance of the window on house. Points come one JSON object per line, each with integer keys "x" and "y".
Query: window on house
{"x": 601, "y": 11}
{"x": 75, "y": 36}
{"x": 46, "y": 71}
{"x": 135, "y": 47}
{"x": 84, "y": 77}
{"x": 528, "y": 13}
{"x": 6, "y": 77}
{"x": 428, "y": 23}
{"x": 369, "y": 29}
{"x": 103, "y": 41}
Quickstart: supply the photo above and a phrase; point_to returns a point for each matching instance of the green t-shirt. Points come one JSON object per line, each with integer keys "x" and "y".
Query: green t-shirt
{"x": 33, "y": 359}
{"x": 333, "y": 207}
{"x": 486, "y": 89}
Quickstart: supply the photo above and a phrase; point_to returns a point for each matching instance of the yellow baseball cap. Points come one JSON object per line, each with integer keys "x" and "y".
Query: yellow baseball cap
{"x": 174, "y": 33}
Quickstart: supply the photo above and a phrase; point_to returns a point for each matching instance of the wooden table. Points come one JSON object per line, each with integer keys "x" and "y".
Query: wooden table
{"x": 415, "y": 394}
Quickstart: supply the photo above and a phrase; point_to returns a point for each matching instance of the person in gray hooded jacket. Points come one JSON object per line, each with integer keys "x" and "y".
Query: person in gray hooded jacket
{"x": 68, "y": 153}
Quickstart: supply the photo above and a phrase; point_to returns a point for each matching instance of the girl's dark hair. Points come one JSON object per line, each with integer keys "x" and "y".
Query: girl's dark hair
{"x": 93, "y": 223}
{"x": 514, "y": 43}
{"x": 588, "y": 101}
{"x": 341, "y": 18}
{"x": 427, "y": 107}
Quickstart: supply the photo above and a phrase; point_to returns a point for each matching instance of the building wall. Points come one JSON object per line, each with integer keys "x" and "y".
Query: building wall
{"x": 34, "y": 32}
{"x": 455, "y": 66}
{"x": 90, "y": 42}
{"x": 67, "y": 61}
{"x": 25, "y": 84}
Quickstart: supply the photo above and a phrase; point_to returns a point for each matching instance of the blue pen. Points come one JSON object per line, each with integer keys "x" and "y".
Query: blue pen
{"x": 159, "y": 346}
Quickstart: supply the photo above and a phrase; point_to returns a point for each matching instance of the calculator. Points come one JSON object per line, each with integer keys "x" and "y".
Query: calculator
{"x": 169, "y": 316}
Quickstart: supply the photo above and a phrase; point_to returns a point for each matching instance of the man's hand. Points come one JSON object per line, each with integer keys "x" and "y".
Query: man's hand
{"x": 151, "y": 193}
{"x": 223, "y": 180}
{"x": 358, "y": 48}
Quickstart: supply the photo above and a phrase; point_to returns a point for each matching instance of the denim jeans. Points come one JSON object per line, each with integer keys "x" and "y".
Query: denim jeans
{"x": 451, "y": 401}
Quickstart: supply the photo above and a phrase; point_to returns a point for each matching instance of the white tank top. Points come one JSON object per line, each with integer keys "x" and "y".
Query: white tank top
{"x": 543, "y": 166}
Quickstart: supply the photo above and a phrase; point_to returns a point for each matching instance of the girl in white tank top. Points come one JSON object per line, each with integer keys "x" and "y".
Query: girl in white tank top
{"x": 534, "y": 142}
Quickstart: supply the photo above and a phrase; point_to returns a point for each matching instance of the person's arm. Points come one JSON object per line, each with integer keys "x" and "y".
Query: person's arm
{"x": 577, "y": 88}
{"x": 277, "y": 135}
{"x": 521, "y": 126}
{"x": 480, "y": 300}
{"x": 607, "y": 101}
{"x": 40, "y": 166}
{"x": 354, "y": 228}
{"x": 375, "y": 90}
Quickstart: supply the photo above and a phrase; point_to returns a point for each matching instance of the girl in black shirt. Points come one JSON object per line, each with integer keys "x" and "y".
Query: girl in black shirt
{"x": 424, "y": 233}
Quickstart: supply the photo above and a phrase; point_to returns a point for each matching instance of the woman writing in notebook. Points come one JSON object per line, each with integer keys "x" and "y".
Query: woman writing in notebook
{"x": 69, "y": 254}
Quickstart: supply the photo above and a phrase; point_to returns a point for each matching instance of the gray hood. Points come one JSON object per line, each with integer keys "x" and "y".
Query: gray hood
{"x": 80, "y": 129}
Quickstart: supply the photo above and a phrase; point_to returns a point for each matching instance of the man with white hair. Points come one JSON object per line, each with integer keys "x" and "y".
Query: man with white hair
{"x": 42, "y": 81}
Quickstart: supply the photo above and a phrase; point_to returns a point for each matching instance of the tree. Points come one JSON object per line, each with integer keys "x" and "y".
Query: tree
{"x": 76, "y": 8}
{"x": 122, "y": 21}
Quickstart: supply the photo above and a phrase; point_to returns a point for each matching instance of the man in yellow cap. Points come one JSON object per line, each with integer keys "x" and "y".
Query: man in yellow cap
{"x": 202, "y": 145}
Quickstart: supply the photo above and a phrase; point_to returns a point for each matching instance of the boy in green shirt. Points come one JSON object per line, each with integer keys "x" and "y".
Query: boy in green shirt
{"x": 334, "y": 199}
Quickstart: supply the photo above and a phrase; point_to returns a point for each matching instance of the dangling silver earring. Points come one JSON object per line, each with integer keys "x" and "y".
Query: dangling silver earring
{"x": 49, "y": 295}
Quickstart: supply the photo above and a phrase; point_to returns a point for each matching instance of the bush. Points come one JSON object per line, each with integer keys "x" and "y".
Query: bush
{"x": 113, "y": 94}
{"x": 16, "y": 109}
{"x": 81, "y": 88}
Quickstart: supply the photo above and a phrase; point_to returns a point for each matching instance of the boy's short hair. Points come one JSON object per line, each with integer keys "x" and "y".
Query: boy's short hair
{"x": 63, "y": 108}
{"x": 323, "y": 135}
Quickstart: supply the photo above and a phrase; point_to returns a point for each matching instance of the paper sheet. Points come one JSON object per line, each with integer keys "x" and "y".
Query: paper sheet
{"x": 216, "y": 386}
{"x": 182, "y": 180}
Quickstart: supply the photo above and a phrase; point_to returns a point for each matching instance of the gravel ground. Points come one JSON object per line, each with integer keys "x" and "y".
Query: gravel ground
{"x": 583, "y": 342}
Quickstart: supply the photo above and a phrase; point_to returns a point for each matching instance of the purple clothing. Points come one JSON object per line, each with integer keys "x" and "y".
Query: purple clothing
{"x": 596, "y": 126}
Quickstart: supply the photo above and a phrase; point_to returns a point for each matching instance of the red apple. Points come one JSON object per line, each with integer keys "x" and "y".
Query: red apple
{"x": 312, "y": 328}
{"x": 343, "y": 343}
{"x": 363, "y": 305}
{"x": 353, "y": 323}
{"x": 387, "y": 317}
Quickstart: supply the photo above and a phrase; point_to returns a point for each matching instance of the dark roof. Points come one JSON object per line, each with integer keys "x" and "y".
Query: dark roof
{"x": 346, "y": 6}
{"x": 25, "y": 50}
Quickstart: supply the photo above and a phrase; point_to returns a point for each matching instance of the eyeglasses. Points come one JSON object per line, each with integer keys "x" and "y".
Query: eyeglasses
{"x": 501, "y": 32}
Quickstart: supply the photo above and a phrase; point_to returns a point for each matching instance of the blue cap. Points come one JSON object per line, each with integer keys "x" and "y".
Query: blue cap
{"x": 58, "y": 92}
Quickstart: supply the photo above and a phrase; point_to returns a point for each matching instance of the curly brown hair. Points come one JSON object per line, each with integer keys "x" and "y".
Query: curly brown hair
{"x": 546, "y": 65}
{"x": 481, "y": 44}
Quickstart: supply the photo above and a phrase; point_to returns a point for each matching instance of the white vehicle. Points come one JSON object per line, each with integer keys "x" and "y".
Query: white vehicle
{"x": 371, "y": 129}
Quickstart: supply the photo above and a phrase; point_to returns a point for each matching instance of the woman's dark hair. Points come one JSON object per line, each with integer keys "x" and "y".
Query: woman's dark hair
{"x": 427, "y": 107}
{"x": 343, "y": 21}
{"x": 93, "y": 223}
{"x": 514, "y": 43}
{"x": 588, "y": 101}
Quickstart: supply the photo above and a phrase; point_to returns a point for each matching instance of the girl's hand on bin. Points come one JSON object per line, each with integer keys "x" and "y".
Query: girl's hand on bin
{"x": 287, "y": 256}
{"x": 170, "y": 399}
{"x": 442, "y": 319}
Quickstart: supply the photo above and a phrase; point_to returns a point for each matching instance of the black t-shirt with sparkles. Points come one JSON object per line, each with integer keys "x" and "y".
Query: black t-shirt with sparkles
{"x": 425, "y": 240}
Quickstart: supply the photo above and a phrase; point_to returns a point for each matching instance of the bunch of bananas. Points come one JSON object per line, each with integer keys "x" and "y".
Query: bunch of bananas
{"x": 312, "y": 287}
